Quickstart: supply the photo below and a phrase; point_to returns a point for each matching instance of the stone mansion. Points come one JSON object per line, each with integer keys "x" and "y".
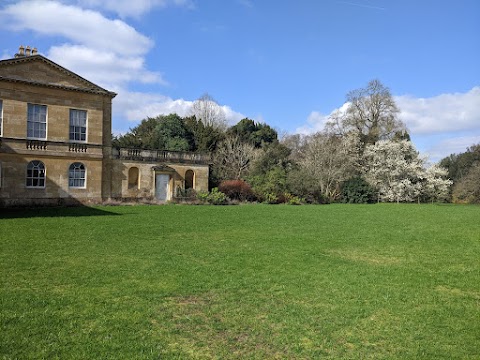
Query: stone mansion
{"x": 56, "y": 148}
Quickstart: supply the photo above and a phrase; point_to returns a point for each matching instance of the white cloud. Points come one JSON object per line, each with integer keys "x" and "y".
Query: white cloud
{"x": 439, "y": 114}
{"x": 86, "y": 27}
{"x": 440, "y": 125}
{"x": 246, "y": 3}
{"x": 135, "y": 8}
{"x": 438, "y": 149}
{"x": 232, "y": 116}
{"x": 136, "y": 106}
{"x": 316, "y": 121}
{"x": 107, "y": 52}
{"x": 105, "y": 68}
{"x": 442, "y": 113}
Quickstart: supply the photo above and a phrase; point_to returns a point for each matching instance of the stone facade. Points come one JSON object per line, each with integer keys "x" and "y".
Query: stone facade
{"x": 55, "y": 143}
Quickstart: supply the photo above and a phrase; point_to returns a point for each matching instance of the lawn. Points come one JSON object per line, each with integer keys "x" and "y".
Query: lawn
{"x": 241, "y": 282}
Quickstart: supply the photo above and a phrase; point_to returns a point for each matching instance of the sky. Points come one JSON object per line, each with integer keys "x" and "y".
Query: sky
{"x": 287, "y": 63}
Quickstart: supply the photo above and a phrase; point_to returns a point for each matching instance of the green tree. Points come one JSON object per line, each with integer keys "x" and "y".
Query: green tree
{"x": 357, "y": 190}
{"x": 268, "y": 173}
{"x": 458, "y": 165}
{"x": 164, "y": 132}
{"x": 203, "y": 138}
{"x": 254, "y": 133}
{"x": 171, "y": 134}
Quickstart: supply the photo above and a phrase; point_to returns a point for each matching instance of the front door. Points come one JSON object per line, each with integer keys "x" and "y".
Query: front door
{"x": 161, "y": 186}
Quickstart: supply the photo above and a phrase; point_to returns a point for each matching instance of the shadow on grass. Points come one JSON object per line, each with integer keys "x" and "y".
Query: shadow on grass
{"x": 16, "y": 213}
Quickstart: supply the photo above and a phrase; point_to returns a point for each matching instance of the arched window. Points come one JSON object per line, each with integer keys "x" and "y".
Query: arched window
{"x": 133, "y": 177}
{"x": 35, "y": 174}
{"x": 76, "y": 175}
{"x": 189, "y": 179}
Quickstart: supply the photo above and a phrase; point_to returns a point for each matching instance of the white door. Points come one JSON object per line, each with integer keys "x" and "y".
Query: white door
{"x": 161, "y": 187}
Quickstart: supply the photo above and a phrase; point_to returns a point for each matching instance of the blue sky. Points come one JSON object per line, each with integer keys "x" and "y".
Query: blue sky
{"x": 286, "y": 63}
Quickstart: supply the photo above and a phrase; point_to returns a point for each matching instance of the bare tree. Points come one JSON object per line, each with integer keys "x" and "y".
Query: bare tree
{"x": 233, "y": 158}
{"x": 207, "y": 110}
{"x": 328, "y": 160}
{"x": 371, "y": 113}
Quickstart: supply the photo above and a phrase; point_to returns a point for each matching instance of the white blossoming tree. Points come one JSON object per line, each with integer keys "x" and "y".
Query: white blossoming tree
{"x": 395, "y": 170}
{"x": 436, "y": 186}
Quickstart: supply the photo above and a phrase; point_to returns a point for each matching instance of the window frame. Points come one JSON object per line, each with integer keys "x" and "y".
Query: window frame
{"x": 39, "y": 178}
{"x": 32, "y": 121}
{"x": 76, "y": 168}
{"x": 77, "y": 127}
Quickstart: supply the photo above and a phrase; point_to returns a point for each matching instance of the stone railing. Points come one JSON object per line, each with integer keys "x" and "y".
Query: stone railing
{"x": 36, "y": 145}
{"x": 62, "y": 148}
{"x": 76, "y": 147}
{"x": 161, "y": 156}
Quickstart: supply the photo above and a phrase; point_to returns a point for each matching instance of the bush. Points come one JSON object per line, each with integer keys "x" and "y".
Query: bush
{"x": 292, "y": 199}
{"x": 289, "y": 199}
{"x": 358, "y": 191}
{"x": 237, "y": 190}
{"x": 270, "y": 198}
{"x": 215, "y": 197}
{"x": 185, "y": 193}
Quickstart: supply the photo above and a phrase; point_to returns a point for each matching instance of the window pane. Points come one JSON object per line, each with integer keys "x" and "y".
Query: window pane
{"x": 35, "y": 174}
{"x": 78, "y": 125}
{"x": 76, "y": 175}
{"x": 37, "y": 121}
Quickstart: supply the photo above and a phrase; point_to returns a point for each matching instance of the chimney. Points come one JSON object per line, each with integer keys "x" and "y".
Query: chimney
{"x": 26, "y": 51}
{"x": 21, "y": 52}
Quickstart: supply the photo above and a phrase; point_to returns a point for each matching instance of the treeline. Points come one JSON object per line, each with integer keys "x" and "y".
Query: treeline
{"x": 362, "y": 155}
{"x": 464, "y": 171}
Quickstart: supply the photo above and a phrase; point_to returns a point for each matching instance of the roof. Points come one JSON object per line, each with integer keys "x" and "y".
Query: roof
{"x": 78, "y": 83}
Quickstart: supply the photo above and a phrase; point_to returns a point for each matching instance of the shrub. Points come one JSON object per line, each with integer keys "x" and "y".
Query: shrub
{"x": 358, "y": 191}
{"x": 237, "y": 190}
{"x": 270, "y": 198}
{"x": 185, "y": 193}
{"x": 215, "y": 197}
{"x": 292, "y": 199}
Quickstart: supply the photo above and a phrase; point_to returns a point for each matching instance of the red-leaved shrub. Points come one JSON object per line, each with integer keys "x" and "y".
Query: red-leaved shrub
{"x": 237, "y": 190}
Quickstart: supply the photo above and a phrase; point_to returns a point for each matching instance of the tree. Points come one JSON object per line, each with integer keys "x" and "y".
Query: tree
{"x": 232, "y": 159}
{"x": 395, "y": 170}
{"x": 207, "y": 110}
{"x": 458, "y": 165}
{"x": 436, "y": 186}
{"x": 141, "y": 136}
{"x": 164, "y": 132}
{"x": 268, "y": 173}
{"x": 327, "y": 161}
{"x": 204, "y": 138}
{"x": 467, "y": 190}
{"x": 371, "y": 113}
{"x": 171, "y": 133}
{"x": 257, "y": 134}
{"x": 357, "y": 190}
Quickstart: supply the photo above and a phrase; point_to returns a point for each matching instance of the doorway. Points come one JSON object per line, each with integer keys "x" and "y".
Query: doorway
{"x": 162, "y": 186}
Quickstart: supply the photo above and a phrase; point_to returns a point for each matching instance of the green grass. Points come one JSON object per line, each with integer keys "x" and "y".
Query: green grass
{"x": 241, "y": 282}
